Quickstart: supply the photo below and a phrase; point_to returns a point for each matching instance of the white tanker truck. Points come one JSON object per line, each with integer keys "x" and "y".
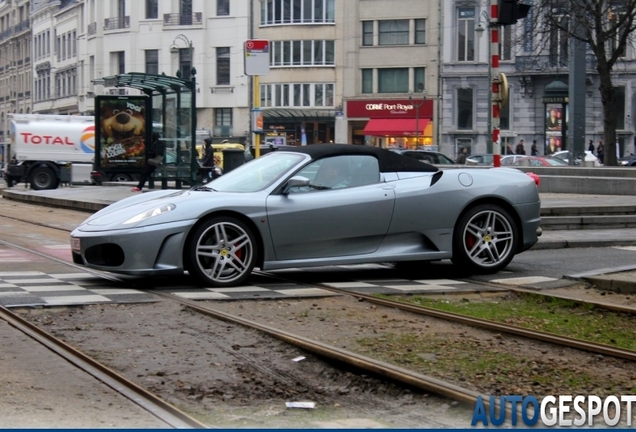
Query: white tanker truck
{"x": 50, "y": 149}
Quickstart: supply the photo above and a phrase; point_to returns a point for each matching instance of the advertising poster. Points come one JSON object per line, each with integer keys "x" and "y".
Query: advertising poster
{"x": 121, "y": 122}
{"x": 554, "y": 118}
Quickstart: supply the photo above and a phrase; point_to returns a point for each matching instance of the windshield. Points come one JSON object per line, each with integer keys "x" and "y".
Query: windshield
{"x": 258, "y": 173}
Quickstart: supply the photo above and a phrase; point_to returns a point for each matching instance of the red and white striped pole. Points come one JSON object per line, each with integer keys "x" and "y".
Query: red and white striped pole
{"x": 494, "y": 64}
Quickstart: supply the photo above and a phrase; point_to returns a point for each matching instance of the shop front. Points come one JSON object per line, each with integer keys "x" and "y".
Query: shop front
{"x": 391, "y": 123}
{"x": 297, "y": 127}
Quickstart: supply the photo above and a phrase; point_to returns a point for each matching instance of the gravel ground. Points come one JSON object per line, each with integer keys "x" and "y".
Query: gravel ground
{"x": 230, "y": 376}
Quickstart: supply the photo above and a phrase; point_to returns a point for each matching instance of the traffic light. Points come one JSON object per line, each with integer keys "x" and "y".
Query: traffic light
{"x": 510, "y": 11}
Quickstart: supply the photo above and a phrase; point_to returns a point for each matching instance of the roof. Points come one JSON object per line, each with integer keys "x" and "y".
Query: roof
{"x": 149, "y": 82}
{"x": 389, "y": 161}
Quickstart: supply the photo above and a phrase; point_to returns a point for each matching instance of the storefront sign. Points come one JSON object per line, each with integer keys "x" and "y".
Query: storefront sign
{"x": 390, "y": 108}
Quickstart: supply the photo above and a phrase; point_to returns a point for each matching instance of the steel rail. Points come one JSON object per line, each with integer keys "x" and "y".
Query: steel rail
{"x": 161, "y": 409}
{"x": 370, "y": 365}
{"x": 580, "y": 344}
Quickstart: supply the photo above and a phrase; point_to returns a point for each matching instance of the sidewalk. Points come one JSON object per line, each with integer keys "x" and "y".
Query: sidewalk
{"x": 94, "y": 198}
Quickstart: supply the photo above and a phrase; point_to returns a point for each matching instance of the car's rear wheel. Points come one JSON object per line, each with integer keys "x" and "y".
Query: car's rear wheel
{"x": 221, "y": 252}
{"x": 120, "y": 178}
{"x": 485, "y": 239}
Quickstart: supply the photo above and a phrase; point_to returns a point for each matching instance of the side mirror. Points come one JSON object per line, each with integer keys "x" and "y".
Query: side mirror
{"x": 296, "y": 181}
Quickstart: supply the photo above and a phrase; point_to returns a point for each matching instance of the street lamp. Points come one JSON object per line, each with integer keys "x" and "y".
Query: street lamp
{"x": 174, "y": 49}
{"x": 417, "y": 107}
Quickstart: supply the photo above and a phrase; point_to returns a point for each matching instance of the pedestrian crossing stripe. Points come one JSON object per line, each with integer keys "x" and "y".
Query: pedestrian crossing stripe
{"x": 529, "y": 280}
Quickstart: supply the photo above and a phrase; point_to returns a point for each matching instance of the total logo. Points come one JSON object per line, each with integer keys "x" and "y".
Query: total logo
{"x": 87, "y": 141}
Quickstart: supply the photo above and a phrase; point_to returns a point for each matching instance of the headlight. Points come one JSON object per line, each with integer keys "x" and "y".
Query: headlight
{"x": 622, "y": 162}
{"x": 151, "y": 213}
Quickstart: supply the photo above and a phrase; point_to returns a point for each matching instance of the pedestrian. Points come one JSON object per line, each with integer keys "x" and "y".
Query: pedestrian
{"x": 461, "y": 157}
{"x": 208, "y": 154}
{"x": 600, "y": 151}
{"x": 590, "y": 147}
{"x": 154, "y": 159}
{"x": 509, "y": 150}
{"x": 534, "y": 151}
{"x": 520, "y": 149}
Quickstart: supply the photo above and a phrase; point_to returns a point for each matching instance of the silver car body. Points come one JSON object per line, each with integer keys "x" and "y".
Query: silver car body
{"x": 406, "y": 214}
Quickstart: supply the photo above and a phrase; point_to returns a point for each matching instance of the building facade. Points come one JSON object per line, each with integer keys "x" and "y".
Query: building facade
{"x": 532, "y": 75}
{"x": 15, "y": 63}
{"x": 414, "y": 74}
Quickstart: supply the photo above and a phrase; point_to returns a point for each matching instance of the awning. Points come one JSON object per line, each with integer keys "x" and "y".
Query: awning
{"x": 396, "y": 127}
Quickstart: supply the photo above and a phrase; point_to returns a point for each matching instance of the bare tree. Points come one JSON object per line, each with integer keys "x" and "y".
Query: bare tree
{"x": 605, "y": 26}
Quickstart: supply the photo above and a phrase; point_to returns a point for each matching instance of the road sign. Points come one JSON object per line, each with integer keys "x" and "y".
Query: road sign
{"x": 257, "y": 57}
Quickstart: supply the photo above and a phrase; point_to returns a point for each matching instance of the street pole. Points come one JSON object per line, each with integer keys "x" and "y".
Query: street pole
{"x": 417, "y": 107}
{"x": 494, "y": 72}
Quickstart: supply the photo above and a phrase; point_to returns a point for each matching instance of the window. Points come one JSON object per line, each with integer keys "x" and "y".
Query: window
{"x": 152, "y": 9}
{"x": 395, "y": 80}
{"x": 504, "y": 114}
{"x": 464, "y": 108}
{"x": 185, "y": 12}
{"x": 466, "y": 34}
{"x": 222, "y": 7}
{"x": 223, "y": 66}
{"x": 619, "y": 104}
{"x": 152, "y": 62}
{"x": 303, "y": 53}
{"x": 393, "y": 32}
{"x": 297, "y": 12}
{"x": 223, "y": 122}
{"x": 367, "y": 80}
{"x": 559, "y": 44}
{"x": 121, "y": 62}
{"x": 339, "y": 172}
{"x": 420, "y": 31}
{"x": 419, "y": 81}
{"x": 613, "y": 42}
{"x": 505, "y": 47}
{"x": 367, "y": 33}
{"x": 297, "y": 95}
{"x": 185, "y": 65}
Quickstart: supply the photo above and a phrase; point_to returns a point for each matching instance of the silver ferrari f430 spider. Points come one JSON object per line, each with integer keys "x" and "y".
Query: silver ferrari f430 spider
{"x": 317, "y": 205}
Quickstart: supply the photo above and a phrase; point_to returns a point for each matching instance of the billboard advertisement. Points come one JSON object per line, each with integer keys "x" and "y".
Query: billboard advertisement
{"x": 121, "y": 131}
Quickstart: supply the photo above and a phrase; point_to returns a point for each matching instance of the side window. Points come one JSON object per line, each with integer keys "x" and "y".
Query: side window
{"x": 339, "y": 172}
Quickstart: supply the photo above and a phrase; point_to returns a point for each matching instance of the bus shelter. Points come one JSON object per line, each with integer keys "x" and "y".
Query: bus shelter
{"x": 171, "y": 109}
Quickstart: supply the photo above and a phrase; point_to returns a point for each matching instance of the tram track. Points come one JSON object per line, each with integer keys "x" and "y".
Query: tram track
{"x": 370, "y": 365}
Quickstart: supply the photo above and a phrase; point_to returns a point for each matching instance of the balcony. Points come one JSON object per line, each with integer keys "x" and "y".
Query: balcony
{"x": 541, "y": 64}
{"x": 117, "y": 23}
{"x": 175, "y": 19}
{"x": 24, "y": 25}
{"x": 92, "y": 29}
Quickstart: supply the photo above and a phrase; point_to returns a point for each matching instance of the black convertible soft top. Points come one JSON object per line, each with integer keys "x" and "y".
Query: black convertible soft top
{"x": 388, "y": 160}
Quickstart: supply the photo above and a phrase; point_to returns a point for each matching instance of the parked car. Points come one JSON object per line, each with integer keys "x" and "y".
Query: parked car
{"x": 487, "y": 159}
{"x": 627, "y": 161}
{"x": 431, "y": 157}
{"x": 288, "y": 209}
{"x": 539, "y": 161}
{"x": 586, "y": 156}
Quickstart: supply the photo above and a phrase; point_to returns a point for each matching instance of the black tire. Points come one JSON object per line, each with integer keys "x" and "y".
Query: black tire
{"x": 120, "y": 178}
{"x": 43, "y": 178}
{"x": 485, "y": 239}
{"x": 221, "y": 252}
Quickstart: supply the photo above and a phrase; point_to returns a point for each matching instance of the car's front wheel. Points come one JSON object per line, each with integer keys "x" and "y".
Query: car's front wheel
{"x": 485, "y": 239}
{"x": 221, "y": 252}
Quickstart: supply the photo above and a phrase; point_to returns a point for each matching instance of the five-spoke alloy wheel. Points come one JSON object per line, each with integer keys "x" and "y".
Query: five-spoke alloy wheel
{"x": 222, "y": 252}
{"x": 485, "y": 239}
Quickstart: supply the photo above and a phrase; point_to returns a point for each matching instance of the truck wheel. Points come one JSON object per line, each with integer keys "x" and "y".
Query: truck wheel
{"x": 43, "y": 178}
{"x": 120, "y": 178}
